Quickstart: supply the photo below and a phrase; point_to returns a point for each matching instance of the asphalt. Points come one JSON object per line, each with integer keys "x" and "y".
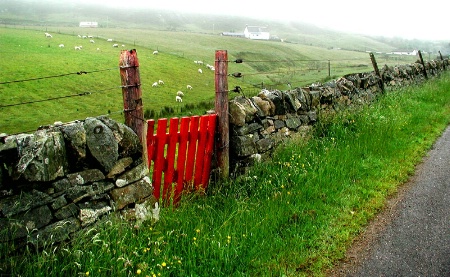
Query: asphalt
{"x": 412, "y": 236}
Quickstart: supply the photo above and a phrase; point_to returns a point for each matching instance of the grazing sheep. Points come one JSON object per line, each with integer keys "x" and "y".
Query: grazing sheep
{"x": 161, "y": 82}
{"x": 155, "y": 52}
{"x": 200, "y": 70}
{"x": 92, "y": 41}
{"x": 178, "y": 99}
{"x": 180, "y": 93}
{"x": 48, "y": 35}
{"x": 78, "y": 47}
{"x": 210, "y": 67}
{"x": 61, "y": 45}
{"x": 155, "y": 84}
{"x": 98, "y": 49}
{"x": 189, "y": 87}
{"x": 198, "y": 62}
{"x": 84, "y": 36}
{"x": 90, "y": 36}
{"x": 109, "y": 40}
{"x": 79, "y": 36}
{"x": 115, "y": 45}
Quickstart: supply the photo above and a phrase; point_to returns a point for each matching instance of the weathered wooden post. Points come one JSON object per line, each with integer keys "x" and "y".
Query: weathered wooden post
{"x": 423, "y": 64}
{"x": 221, "y": 108}
{"x": 442, "y": 59}
{"x": 375, "y": 67}
{"x": 131, "y": 91}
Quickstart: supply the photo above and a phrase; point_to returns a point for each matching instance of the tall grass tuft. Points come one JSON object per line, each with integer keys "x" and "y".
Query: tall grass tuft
{"x": 293, "y": 216}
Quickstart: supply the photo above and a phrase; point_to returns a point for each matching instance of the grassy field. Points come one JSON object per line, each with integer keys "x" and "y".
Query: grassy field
{"x": 293, "y": 216}
{"x": 28, "y": 54}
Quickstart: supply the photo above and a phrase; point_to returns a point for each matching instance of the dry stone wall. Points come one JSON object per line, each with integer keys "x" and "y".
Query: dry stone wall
{"x": 65, "y": 177}
{"x": 260, "y": 123}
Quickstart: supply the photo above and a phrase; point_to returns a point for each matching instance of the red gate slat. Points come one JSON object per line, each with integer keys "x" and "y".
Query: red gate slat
{"x": 150, "y": 142}
{"x": 182, "y": 149}
{"x": 170, "y": 158}
{"x": 159, "y": 158}
{"x": 209, "y": 150}
{"x": 200, "y": 151}
{"x": 193, "y": 134}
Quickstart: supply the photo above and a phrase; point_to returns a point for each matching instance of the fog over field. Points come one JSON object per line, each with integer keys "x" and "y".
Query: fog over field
{"x": 406, "y": 19}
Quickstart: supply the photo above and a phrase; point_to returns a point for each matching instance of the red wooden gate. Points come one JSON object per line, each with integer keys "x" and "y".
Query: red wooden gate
{"x": 181, "y": 158}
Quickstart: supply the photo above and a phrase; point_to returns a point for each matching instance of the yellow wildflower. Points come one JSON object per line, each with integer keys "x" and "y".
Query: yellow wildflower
{"x": 138, "y": 271}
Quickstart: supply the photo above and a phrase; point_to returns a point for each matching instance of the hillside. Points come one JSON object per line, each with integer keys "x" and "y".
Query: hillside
{"x": 54, "y": 13}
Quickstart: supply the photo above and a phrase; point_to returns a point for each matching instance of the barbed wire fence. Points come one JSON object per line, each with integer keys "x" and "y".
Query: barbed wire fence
{"x": 297, "y": 73}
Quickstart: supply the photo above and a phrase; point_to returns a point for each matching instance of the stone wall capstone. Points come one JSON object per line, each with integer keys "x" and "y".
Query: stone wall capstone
{"x": 64, "y": 177}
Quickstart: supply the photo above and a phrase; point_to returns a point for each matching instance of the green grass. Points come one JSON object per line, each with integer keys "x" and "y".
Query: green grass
{"x": 293, "y": 216}
{"x": 28, "y": 54}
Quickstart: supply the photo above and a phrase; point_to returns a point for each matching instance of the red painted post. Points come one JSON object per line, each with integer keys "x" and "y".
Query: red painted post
{"x": 131, "y": 91}
{"x": 221, "y": 108}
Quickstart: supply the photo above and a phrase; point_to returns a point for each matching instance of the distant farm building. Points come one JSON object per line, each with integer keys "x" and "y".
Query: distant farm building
{"x": 89, "y": 24}
{"x": 256, "y": 32}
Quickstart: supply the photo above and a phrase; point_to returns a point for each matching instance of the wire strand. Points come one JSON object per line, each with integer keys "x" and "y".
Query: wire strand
{"x": 56, "y": 76}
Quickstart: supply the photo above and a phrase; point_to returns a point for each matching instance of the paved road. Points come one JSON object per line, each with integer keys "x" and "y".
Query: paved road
{"x": 415, "y": 239}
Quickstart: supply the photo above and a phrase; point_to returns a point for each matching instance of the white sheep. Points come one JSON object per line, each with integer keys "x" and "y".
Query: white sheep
{"x": 161, "y": 82}
{"x": 178, "y": 99}
{"x": 92, "y": 41}
{"x": 98, "y": 49}
{"x": 61, "y": 45}
{"x": 155, "y": 84}
{"x": 155, "y": 52}
{"x": 200, "y": 70}
{"x": 48, "y": 35}
{"x": 84, "y": 36}
{"x": 115, "y": 45}
{"x": 109, "y": 40}
{"x": 189, "y": 87}
{"x": 78, "y": 47}
{"x": 90, "y": 36}
{"x": 180, "y": 93}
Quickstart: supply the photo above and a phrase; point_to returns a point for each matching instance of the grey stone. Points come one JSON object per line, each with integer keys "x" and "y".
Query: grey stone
{"x": 120, "y": 166}
{"x": 23, "y": 202}
{"x": 85, "y": 177}
{"x": 70, "y": 210}
{"x": 243, "y": 146}
{"x": 132, "y": 175}
{"x": 293, "y": 123}
{"x": 128, "y": 140}
{"x": 59, "y": 202}
{"x": 89, "y": 216}
{"x": 133, "y": 193}
{"x": 75, "y": 138}
{"x": 264, "y": 145}
{"x": 55, "y": 232}
{"x": 23, "y": 224}
{"x": 101, "y": 143}
{"x": 42, "y": 157}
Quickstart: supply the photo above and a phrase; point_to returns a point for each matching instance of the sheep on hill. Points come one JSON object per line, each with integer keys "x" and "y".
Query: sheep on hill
{"x": 178, "y": 99}
{"x": 189, "y": 87}
{"x": 180, "y": 93}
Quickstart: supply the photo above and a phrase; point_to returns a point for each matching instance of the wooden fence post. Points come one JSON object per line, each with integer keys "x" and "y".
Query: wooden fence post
{"x": 442, "y": 59}
{"x": 375, "y": 67}
{"x": 423, "y": 64}
{"x": 221, "y": 108}
{"x": 131, "y": 91}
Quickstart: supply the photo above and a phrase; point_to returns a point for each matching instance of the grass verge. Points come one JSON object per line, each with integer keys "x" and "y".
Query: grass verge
{"x": 293, "y": 216}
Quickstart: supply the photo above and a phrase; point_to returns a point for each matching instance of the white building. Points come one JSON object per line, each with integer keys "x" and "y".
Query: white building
{"x": 89, "y": 24}
{"x": 256, "y": 32}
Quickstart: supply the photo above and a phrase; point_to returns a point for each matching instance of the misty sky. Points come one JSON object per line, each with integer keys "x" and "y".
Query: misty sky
{"x": 388, "y": 18}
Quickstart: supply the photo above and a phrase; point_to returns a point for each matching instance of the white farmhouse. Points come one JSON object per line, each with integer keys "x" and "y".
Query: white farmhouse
{"x": 89, "y": 24}
{"x": 256, "y": 32}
